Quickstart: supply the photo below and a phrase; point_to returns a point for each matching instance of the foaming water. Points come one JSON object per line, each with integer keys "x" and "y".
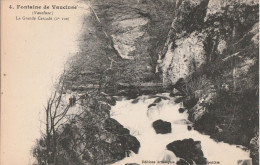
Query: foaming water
{"x": 138, "y": 118}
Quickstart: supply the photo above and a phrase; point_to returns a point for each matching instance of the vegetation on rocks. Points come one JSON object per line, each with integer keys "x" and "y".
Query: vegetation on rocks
{"x": 88, "y": 136}
{"x": 222, "y": 95}
{"x": 205, "y": 51}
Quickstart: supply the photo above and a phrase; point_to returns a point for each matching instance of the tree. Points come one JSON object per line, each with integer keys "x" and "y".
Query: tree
{"x": 56, "y": 114}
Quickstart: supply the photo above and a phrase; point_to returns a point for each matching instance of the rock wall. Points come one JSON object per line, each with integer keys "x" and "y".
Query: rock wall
{"x": 137, "y": 30}
{"x": 133, "y": 41}
{"x": 186, "y": 57}
{"x": 200, "y": 32}
{"x": 90, "y": 136}
{"x": 96, "y": 138}
{"x": 126, "y": 35}
{"x": 213, "y": 46}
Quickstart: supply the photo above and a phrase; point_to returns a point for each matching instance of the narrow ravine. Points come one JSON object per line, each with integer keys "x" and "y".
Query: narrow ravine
{"x": 138, "y": 118}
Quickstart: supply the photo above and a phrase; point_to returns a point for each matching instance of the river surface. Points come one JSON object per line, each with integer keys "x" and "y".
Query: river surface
{"x": 138, "y": 118}
{"x": 34, "y": 55}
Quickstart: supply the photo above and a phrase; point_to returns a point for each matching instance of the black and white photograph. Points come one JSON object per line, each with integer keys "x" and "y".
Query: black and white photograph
{"x": 129, "y": 82}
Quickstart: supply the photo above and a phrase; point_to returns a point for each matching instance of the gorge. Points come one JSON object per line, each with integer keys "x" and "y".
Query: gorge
{"x": 140, "y": 61}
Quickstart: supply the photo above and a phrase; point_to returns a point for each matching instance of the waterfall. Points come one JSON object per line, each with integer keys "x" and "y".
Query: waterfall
{"x": 138, "y": 118}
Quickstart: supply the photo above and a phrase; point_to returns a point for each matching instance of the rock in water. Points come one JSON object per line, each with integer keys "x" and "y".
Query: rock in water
{"x": 129, "y": 142}
{"x": 182, "y": 162}
{"x": 189, "y": 150}
{"x": 189, "y": 127}
{"x": 181, "y": 110}
{"x": 113, "y": 126}
{"x": 157, "y": 100}
{"x": 162, "y": 127}
{"x": 151, "y": 105}
{"x": 124, "y": 141}
{"x": 135, "y": 100}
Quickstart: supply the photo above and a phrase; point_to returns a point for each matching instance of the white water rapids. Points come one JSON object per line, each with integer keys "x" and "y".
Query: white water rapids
{"x": 138, "y": 119}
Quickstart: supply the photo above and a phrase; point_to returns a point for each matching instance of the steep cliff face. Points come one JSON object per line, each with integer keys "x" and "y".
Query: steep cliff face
{"x": 213, "y": 46}
{"x": 126, "y": 35}
{"x": 201, "y": 31}
{"x": 184, "y": 50}
{"x": 210, "y": 44}
{"x": 186, "y": 57}
{"x": 121, "y": 40}
{"x": 127, "y": 28}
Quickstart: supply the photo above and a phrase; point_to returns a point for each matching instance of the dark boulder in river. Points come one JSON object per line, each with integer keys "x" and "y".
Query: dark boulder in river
{"x": 162, "y": 127}
{"x": 189, "y": 150}
{"x": 181, "y": 110}
{"x": 113, "y": 126}
{"x": 129, "y": 143}
{"x": 157, "y": 100}
{"x": 124, "y": 141}
{"x": 182, "y": 162}
{"x": 135, "y": 101}
{"x": 189, "y": 127}
{"x": 151, "y": 105}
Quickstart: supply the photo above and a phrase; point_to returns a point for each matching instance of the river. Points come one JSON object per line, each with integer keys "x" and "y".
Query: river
{"x": 34, "y": 57}
{"x": 138, "y": 118}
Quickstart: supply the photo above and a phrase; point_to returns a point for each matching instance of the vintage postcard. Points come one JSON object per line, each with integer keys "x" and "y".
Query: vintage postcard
{"x": 129, "y": 82}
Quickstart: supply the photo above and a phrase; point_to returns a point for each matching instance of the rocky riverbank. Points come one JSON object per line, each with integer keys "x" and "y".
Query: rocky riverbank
{"x": 205, "y": 52}
{"x": 91, "y": 136}
{"x": 211, "y": 59}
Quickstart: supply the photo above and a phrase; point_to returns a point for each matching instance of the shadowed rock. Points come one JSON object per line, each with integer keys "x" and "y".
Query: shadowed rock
{"x": 149, "y": 106}
{"x": 189, "y": 150}
{"x": 113, "y": 126}
{"x": 189, "y": 103}
{"x": 135, "y": 101}
{"x": 181, "y": 110}
{"x": 129, "y": 143}
{"x": 182, "y": 162}
{"x": 162, "y": 127}
{"x": 189, "y": 127}
{"x": 157, "y": 100}
{"x": 178, "y": 99}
